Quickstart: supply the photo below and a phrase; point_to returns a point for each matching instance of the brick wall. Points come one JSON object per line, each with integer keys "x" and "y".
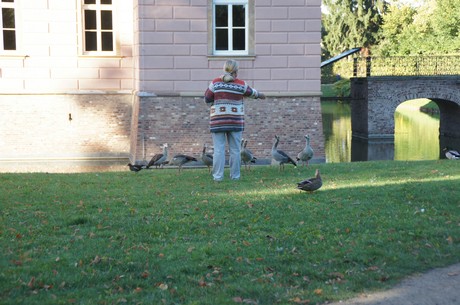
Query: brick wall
{"x": 183, "y": 123}
{"x": 120, "y": 126}
{"x": 65, "y": 126}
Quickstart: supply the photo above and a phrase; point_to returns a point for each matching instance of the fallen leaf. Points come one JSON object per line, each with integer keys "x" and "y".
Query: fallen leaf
{"x": 31, "y": 282}
{"x": 145, "y": 274}
{"x": 373, "y": 268}
{"x": 298, "y": 300}
{"x": 318, "y": 291}
{"x": 47, "y": 287}
{"x": 96, "y": 260}
{"x": 163, "y": 286}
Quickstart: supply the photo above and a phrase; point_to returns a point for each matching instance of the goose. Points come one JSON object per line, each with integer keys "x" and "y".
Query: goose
{"x": 134, "y": 167}
{"x": 246, "y": 155}
{"x": 180, "y": 160}
{"x": 279, "y": 155}
{"x": 206, "y": 158}
{"x": 307, "y": 153}
{"x": 451, "y": 154}
{"x": 159, "y": 159}
{"x": 312, "y": 184}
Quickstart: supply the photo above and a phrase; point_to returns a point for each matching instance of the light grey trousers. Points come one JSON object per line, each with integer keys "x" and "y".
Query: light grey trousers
{"x": 234, "y": 142}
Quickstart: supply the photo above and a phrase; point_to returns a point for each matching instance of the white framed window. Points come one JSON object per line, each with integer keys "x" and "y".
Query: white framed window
{"x": 230, "y": 27}
{"x": 8, "y": 33}
{"x": 97, "y": 22}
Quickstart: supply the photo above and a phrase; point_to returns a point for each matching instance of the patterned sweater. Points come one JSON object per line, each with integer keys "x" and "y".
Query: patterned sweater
{"x": 226, "y": 100}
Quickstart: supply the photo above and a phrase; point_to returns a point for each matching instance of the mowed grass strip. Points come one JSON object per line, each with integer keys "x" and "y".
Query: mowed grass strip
{"x": 159, "y": 237}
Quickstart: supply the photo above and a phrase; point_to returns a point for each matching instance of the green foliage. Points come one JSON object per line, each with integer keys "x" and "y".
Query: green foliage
{"x": 433, "y": 28}
{"x": 159, "y": 237}
{"x": 328, "y": 90}
{"x": 351, "y": 23}
{"x": 342, "y": 88}
{"x": 395, "y": 29}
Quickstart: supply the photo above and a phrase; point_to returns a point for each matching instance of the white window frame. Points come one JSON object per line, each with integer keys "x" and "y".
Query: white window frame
{"x": 98, "y": 7}
{"x": 14, "y": 6}
{"x": 229, "y": 4}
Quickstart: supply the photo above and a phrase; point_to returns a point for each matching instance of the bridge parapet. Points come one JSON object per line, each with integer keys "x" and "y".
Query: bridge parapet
{"x": 406, "y": 66}
{"x": 375, "y": 99}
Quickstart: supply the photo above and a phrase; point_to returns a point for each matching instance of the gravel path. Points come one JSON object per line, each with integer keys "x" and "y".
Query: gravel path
{"x": 436, "y": 287}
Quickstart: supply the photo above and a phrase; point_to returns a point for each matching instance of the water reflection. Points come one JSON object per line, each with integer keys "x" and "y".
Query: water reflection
{"x": 416, "y": 136}
{"x": 337, "y": 131}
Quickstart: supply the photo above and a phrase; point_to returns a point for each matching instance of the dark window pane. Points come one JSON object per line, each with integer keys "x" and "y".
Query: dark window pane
{"x": 90, "y": 41}
{"x": 107, "y": 41}
{"x": 238, "y": 15}
{"x": 106, "y": 20}
{"x": 106, "y": 1}
{"x": 90, "y": 20}
{"x": 221, "y": 15}
{"x": 8, "y": 18}
{"x": 9, "y": 40}
{"x": 90, "y": 1}
{"x": 221, "y": 40}
{"x": 239, "y": 41}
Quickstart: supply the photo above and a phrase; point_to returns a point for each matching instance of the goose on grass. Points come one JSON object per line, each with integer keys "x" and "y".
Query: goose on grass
{"x": 280, "y": 156}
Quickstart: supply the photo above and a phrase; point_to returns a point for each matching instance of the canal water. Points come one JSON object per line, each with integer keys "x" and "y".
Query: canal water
{"x": 416, "y": 135}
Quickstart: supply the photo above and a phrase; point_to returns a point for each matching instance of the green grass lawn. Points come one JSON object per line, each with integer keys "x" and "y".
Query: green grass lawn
{"x": 157, "y": 237}
{"x": 328, "y": 90}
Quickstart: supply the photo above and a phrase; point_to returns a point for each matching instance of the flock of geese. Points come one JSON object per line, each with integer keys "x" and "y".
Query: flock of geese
{"x": 247, "y": 158}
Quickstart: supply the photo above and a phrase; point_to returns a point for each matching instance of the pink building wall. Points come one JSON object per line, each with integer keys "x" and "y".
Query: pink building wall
{"x": 122, "y": 104}
{"x": 173, "y": 47}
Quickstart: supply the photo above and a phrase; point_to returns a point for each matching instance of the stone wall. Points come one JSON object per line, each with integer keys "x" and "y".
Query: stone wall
{"x": 102, "y": 126}
{"x": 65, "y": 126}
{"x": 183, "y": 123}
{"x": 375, "y": 100}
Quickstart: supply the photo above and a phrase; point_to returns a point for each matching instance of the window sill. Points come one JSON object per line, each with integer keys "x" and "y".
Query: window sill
{"x": 239, "y": 57}
{"x": 13, "y": 56}
{"x": 101, "y": 56}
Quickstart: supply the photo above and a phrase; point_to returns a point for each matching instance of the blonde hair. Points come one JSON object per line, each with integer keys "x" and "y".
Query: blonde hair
{"x": 230, "y": 68}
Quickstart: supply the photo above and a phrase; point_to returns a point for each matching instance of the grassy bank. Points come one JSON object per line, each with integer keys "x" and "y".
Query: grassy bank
{"x": 158, "y": 237}
{"x": 339, "y": 89}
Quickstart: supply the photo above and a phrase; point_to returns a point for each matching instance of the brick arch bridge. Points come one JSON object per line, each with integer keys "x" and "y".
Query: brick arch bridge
{"x": 375, "y": 99}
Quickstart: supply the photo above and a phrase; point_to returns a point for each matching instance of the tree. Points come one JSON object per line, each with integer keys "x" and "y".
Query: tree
{"x": 432, "y": 28}
{"x": 396, "y": 31}
{"x": 352, "y": 23}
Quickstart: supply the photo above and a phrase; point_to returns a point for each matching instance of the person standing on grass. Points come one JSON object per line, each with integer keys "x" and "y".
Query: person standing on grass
{"x": 225, "y": 96}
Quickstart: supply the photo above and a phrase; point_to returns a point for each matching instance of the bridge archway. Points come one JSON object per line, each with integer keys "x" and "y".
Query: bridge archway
{"x": 375, "y": 99}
